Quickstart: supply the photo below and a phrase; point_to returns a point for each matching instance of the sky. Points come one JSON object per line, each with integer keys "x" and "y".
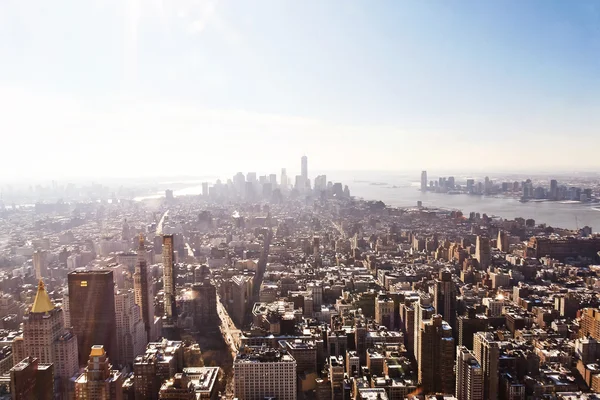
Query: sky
{"x": 112, "y": 88}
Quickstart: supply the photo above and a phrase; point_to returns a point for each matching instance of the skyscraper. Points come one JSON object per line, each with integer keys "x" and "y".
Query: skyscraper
{"x": 469, "y": 376}
{"x": 304, "y": 168}
{"x": 436, "y": 356}
{"x": 40, "y": 264}
{"x": 502, "y": 244}
{"x": 131, "y": 333}
{"x": 553, "y": 189}
{"x": 445, "y": 297}
{"x": 99, "y": 382}
{"x": 92, "y": 311}
{"x": 144, "y": 297}
{"x": 46, "y": 339}
{"x": 168, "y": 257}
{"x": 423, "y": 181}
{"x": 423, "y": 310}
{"x": 482, "y": 251}
{"x": 284, "y": 179}
{"x": 487, "y": 353}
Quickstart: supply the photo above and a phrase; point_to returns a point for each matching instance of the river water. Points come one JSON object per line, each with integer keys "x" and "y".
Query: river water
{"x": 403, "y": 191}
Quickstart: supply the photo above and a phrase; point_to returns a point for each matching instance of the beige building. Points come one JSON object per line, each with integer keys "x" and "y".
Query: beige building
{"x": 261, "y": 372}
{"x": 131, "y": 336}
{"x": 469, "y": 376}
{"x": 99, "y": 382}
{"x": 46, "y": 338}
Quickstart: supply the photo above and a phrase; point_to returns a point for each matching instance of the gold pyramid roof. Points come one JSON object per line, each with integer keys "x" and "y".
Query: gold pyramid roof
{"x": 42, "y": 303}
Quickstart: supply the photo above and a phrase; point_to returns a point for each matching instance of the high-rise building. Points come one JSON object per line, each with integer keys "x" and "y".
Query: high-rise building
{"x": 423, "y": 181}
{"x": 32, "y": 380}
{"x": 204, "y": 189}
{"x": 502, "y": 244}
{"x": 436, "y": 356}
{"x": 423, "y": 310}
{"x": 304, "y": 168}
{"x": 553, "y": 189}
{"x": 204, "y": 297}
{"x": 260, "y": 373}
{"x": 590, "y": 323}
{"x": 284, "y": 179}
{"x": 161, "y": 361}
{"x": 482, "y": 251}
{"x": 144, "y": 296}
{"x": 469, "y": 376}
{"x": 168, "y": 257}
{"x": 131, "y": 334}
{"x": 92, "y": 311}
{"x": 98, "y": 381}
{"x": 40, "y": 264}
{"x": 487, "y": 353}
{"x": 445, "y": 297}
{"x": 46, "y": 339}
{"x": 180, "y": 387}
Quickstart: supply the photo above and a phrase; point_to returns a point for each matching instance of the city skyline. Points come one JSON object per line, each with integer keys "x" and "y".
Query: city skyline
{"x": 217, "y": 85}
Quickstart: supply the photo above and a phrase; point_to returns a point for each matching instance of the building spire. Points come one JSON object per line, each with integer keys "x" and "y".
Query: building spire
{"x": 42, "y": 303}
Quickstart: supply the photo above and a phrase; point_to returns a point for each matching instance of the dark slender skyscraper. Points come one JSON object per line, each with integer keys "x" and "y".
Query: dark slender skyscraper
{"x": 168, "y": 257}
{"x": 141, "y": 283}
{"x": 92, "y": 309}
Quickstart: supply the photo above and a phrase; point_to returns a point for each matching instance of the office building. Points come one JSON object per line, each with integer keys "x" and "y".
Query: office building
{"x": 204, "y": 297}
{"x": 469, "y": 376}
{"x": 502, "y": 244}
{"x": 590, "y": 323}
{"x": 98, "y": 381}
{"x": 241, "y": 287}
{"x": 40, "y": 264}
{"x": 553, "y": 190}
{"x": 180, "y": 387}
{"x": 423, "y": 310}
{"x": 284, "y": 179}
{"x": 384, "y": 312}
{"x": 204, "y": 189}
{"x": 161, "y": 361}
{"x": 487, "y": 353}
{"x": 144, "y": 295}
{"x": 444, "y": 298}
{"x": 470, "y": 324}
{"x": 436, "y": 356}
{"x": 423, "y": 181}
{"x": 304, "y": 352}
{"x": 131, "y": 333}
{"x": 168, "y": 257}
{"x": 92, "y": 311}
{"x": 46, "y": 339}
{"x": 482, "y": 252}
{"x": 32, "y": 380}
{"x": 261, "y": 372}
{"x": 304, "y": 168}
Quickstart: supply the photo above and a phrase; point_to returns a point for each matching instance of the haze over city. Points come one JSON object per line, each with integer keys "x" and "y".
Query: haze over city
{"x": 163, "y": 88}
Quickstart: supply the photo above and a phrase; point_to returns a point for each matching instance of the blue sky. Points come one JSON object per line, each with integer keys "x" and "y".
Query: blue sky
{"x": 92, "y": 87}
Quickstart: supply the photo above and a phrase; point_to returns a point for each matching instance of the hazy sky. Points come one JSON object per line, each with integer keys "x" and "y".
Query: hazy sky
{"x": 132, "y": 87}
